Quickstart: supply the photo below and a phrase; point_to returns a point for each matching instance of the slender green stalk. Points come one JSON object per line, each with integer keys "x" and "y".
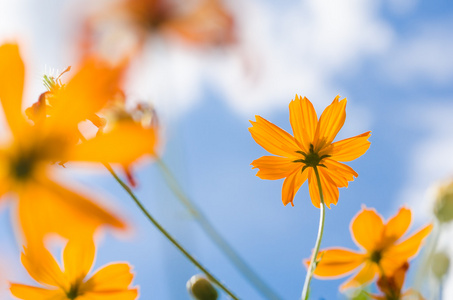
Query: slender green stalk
{"x": 209, "y": 229}
{"x": 314, "y": 261}
{"x": 166, "y": 234}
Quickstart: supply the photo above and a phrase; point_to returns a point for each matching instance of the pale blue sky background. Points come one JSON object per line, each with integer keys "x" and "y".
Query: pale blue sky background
{"x": 391, "y": 59}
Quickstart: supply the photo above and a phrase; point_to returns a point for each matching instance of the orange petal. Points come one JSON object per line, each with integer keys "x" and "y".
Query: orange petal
{"x": 351, "y": 148}
{"x": 42, "y": 267}
{"x": 272, "y": 138}
{"x": 329, "y": 188}
{"x": 303, "y": 119}
{"x": 274, "y": 167}
{"x": 78, "y": 257}
{"x": 123, "y": 144}
{"x": 398, "y": 225}
{"x": 131, "y": 294}
{"x": 337, "y": 262}
{"x": 11, "y": 85}
{"x": 113, "y": 277}
{"x": 410, "y": 247}
{"x": 330, "y": 123}
{"x": 364, "y": 276}
{"x": 340, "y": 173}
{"x": 292, "y": 184}
{"x": 27, "y": 292}
{"x": 367, "y": 228}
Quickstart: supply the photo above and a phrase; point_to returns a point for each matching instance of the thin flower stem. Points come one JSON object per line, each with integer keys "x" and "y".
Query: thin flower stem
{"x": 313, "y": 261}
{"x": 166, "y": 234}
{"x": 215, "y": 236}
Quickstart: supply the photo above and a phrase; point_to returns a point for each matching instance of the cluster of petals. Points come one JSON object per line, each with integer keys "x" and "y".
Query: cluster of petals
{"x": 311, "y": 146}
{"x": 27, "y": 158}
{"x": 382, "y": 249}
{"x": 71, "y": 280}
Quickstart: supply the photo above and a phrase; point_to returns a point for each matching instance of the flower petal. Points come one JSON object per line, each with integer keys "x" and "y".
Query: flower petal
{"x": 274, "y": 167}
{"x": 112, "y": 277}
{"x": 330, "y": 123}
{"x": 337, "y": 262}
{"x": 123, "y": 144}
{"x": 42, "y": 267}
{"x": 292, "y": 184}
{"x": 410, "y": 247}
{"x": 78, "y": 257}
{"x": 329, "y": 188}
{"x": 303, "y": 119}
{"x": 398, "y": 225}
{"x": 364, "y": 276}
{"x": 340, "y": 173}
{"x": 351, "y": 148}
{"x": 27, "y": 292}
{"x": 367, "y": 228}
{"x": 12, "y": 72}
{"x": 131, "y": 294}
{"x": 272, "y": 138}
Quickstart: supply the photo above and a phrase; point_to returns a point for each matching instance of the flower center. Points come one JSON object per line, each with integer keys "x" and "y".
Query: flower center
{"x": 311, "y": 159}
{"x": 73, "y": 292}
{"x": 376, "y": 257}
{"x": 23, "y": 165}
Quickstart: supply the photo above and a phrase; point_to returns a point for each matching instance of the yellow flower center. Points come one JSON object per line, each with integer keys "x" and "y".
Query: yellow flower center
{"x": 23, "y": 164}
{"x": 73, "y": 292}
{"x": 376, "y": 256}
{"x": 311, "y": 159}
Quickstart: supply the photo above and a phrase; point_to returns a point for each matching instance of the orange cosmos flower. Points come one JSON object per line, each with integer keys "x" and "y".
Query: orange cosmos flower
{"x": 70, "y": 281}
{"x": 44, "y": 206}
{"x": 382, "y": 249}
{"x": 311, "y": 146}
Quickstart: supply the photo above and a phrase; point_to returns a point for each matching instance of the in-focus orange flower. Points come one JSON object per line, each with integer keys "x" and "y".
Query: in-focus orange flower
{"x": 311, "y": 146}
{"x": 382, "y": 252}
{"x": 71, "y": 281}
{"x": 44, "y": 206}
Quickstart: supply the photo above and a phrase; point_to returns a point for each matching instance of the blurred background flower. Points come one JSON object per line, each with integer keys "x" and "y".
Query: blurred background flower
{"x": 390, "y": 58}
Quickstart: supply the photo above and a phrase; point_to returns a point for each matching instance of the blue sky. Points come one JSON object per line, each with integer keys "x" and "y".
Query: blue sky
{"x": 392, "y": 61}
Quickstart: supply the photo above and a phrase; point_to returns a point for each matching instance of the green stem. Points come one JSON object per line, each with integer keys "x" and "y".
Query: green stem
{"x": 218, "y": 239}
{"x": 166, "y": 234}
{"x": 313, "y": 261}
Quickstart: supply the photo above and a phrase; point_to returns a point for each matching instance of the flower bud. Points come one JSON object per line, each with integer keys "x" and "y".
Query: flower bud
{"x": 440, "y": 264}
{"x": 443, "y": 207}
{"x": 201, "y": 289}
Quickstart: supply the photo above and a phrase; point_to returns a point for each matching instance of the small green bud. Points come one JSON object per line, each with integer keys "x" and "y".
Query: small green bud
{"x": 443, "y": 207}
{"x": 201, "y": 289}
{"x": 440, "y": 263}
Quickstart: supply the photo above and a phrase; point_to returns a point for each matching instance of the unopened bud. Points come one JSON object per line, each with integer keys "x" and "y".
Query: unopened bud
{"x": 443, "y": 207}
{"x": 201, "y": 289}
{"x": 440, "y": 264}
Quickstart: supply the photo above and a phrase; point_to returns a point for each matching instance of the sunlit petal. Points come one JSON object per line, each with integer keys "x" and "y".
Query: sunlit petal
{"x": 330, "y": 122}
{"x": 42, "y": 267}
{"x": 113, "y": 277}
{"x": 131, "y": 294}
{"x": 303, "y": 119}
{"x": 292, "y": 184}
{"x": 78, "y": 257}
{"x": 27, "y": 292}
{"x": 367, "y": 228}
{"x": 329, "y": 188}
{"x": 351, "y": 148}
{"x": 364, "y": 276}
{"x": 410, "y": 247}
{"x": 398, "y": 225}
{"x": 337, "y": 262}
{"x": 274, "y": 167}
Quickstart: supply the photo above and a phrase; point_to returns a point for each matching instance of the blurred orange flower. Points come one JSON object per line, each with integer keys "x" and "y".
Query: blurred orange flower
{"x": 70, "y": 281}
{"x": 45, "y": 206}
{"x": 382, "y": 249}
{"x": 312, "y": 146}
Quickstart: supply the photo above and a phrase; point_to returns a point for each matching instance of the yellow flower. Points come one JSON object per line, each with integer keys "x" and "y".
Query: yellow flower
{"x": 312, "y": 146}
{"x": 110, "y": 282}
{"x": 382, "y": 249}
{"x": 44, "y": 206}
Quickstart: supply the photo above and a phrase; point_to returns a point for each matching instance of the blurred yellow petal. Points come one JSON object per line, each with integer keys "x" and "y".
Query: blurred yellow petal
{"x": 42, "y": 267}
{"x": 123, "y": 144}
{"x": 398, "y": 225}
{"x": 364, "y": 276}
{"x": 113, "y": 277}
{"x": 131, "y": 294}
{"x": 78, "y": 257}
{"x": 26, "y": 292}
{"x": 12, "y": 72}
{"x": 367, "y": 228}
{"x": 351, "y": 148}
{"x": 303, "y": 119}
{"x": 410, "y": 247}
{"x": 274, "y": 167}
{"x": 337, "y": 262}
{"x": 330, "y": 122}
{"x": 272, "y": 138}
{"x": 292, "y": 184}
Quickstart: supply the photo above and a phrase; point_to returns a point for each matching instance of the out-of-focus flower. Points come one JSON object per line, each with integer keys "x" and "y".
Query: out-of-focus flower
{"x": 71, "y": 281}
{"x": 201, "y": 289}
{"x": 382, "y": 249}
{"x": 45, "y": 206}
{"x": 311, "y": 147}
{"x": 443, "y": 206}
{"x": 391, "y": 286}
